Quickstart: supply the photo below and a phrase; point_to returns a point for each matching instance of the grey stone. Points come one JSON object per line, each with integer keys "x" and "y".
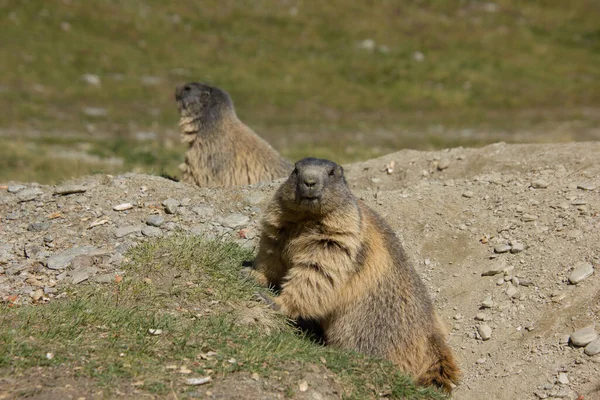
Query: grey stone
{"x": 15, "y": 188}
{"x": 563, "y": 379}
{"x": 487, "y": 303}
{"x": 539, "y": 184}
{"x": 528, "y": 217}
{"x": 516, "y": 248}
{"x": 6, "y": 253}
{"x": 583, "y": 336}
{"x": 203, "y": 211}
{"x": 468, "y": 194}
{"x": 69, "y": 189}
{"x": 12, "y": 216}
{"x": 501, "y": 248}
{"x": 104, "y": 278}
{"x": 586, "y": 186}
{"x": 15, "y": 269}
{"x": 512, "y": 291}
{"x": 254, "y": 198}
{"x": 155, "y": 220}
{"x": 63, "y": 260}
{"x": 496, "y": 269}
{"x": 35, "y": 252}
{"x": 127, "y": 230}
{"x": 38, "y": 226}
{"x": 170, "y": 205}
{"x": 484, "y": 331}
{"x": 443, "y": 164}
{"x": 592, "y": 348}
{"x": 29, "y": 194}
{"x": 82, "y": 261}
{"x": 235, "y": 220}
{"x": 581, "y": 272}
{"x": 152, "y": 231}
{"x": 82, "y": 274}
{"x": 481, "y": 317}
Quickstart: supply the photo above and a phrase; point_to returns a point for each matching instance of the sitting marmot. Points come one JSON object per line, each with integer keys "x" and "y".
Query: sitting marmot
{"x": 340, "y": 264}
{"x": 223, "y": 151}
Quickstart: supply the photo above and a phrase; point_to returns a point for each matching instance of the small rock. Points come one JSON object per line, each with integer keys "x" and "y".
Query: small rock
{"x": 123, "y": 207}
{"x": 170, "y": 205}
{"x": 12, "y": 216}
{"x": 516, "y": 248}
{"x": 443, "y": 164}
{"x": 581, "y": 272}
{"x": 563, "y": 379}
{"x": 583, "y": 336}
{"x": 127, "y": 230}
{"x": 484, "y": 331}
{"x": 593, "y": 348}
{"x": 198, "y": 381}
{"x": 82, "y": 274}
{"x": 468, "y": 194}
{"x": 155, "y": 220}
{"x": 152, "y": 231}
{"x": 235, "y": 221}
{"x": 480, "y": 361}
{"x": 480, "y": 317}
{"x": 91, "y": 79}
{"x": 203, "y": 211}
{"x": 501, "y": 248}
{"x": 69, "y": 189}
{"x": 512, "y": 291}
{"x": 487, "y": 303}
{"x": 539, "y": 184}
{"x": 62, "y": 260}
{"x": 157, "y": 332}
{"x": 528, "y": 217}
{"x": 38, "y": 226}
{"x": 15, "y": 188}
{"x": 95, "y": 111}
{"x": 303, "y": 386}
{"x": 29, "y": 194}
{"x": 586, "y": 186}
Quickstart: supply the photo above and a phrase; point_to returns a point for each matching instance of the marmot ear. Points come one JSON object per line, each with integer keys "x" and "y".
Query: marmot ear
{"x": 205, "y": 94}
{"x": 339, "y": 171}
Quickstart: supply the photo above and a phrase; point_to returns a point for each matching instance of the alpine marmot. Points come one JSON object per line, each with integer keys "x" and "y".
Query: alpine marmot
{"x": 340, "y": 264}
{"x": 222, "y": 151}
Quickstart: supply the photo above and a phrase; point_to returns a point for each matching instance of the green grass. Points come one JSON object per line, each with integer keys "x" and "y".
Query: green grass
{"x": 192, "y": 290}
{"x": 298, "y": 74}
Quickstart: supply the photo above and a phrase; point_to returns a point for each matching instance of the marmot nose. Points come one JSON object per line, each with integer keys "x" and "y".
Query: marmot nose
{"x": 182, "y": 90}
{"x": 310, "y": 182}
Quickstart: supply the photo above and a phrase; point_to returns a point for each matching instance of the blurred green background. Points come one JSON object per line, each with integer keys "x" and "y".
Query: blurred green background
{"x": 88, "y": 86}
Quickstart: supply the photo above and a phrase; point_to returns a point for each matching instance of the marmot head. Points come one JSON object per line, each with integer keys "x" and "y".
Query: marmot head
{"x": 315, "y": 187}
{"x": 203, "y": 103}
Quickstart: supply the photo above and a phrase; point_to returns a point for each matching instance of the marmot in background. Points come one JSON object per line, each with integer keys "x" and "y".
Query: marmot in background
{"x": 223, "y": 151}
{"x": 340, "y": 264}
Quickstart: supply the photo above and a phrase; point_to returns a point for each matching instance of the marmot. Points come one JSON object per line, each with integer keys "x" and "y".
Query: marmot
{"x": 223, "y": 151}
{"x": 339, "y": 263}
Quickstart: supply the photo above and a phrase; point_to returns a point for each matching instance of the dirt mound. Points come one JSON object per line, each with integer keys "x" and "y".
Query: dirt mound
{"x": 500, "y": 235}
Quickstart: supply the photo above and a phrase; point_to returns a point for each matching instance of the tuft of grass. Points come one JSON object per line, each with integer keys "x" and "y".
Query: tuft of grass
{"x": 191, "y": 289}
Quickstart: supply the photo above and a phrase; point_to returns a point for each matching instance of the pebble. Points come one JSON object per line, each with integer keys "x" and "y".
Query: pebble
{"x": 480, "y": 361}
{"x": 443, "y": 164}
{"x": 583, "y": 336}
{"x": 203, "y": 211}
{"x": 582, "y": 271}
{"x": 235, "y": 220}
{"x": 468, "y": 194}
{"x": 517, "y": 248}
{"x": 12, "y": 216}
{"x": 69, "y": 189}
{"x": 29, "y": 194}
{"x": 494, "y": 270}
{"x": 123, "y": 207}
{"x": 563, "y": 379}
{"x": 528, "y": 217}
{"x": 480, "y": 317}
{"x": 171, "y": 206}
{"x": 152, "y": 231}
{"x": 501, "y": 248}
{"x": 82, "y": 274}
{"x": 484, "y": 331}
{"x": 62, "y": 260}
{"x": 198, "y": 381}
{"x": 539, "y": 184}
{"x": 38, "y": 226}
{"x": 155, "y": 220}
{"x": 127, "y": 230}
{"x": 15, "y": 188}
{"x": 487, "y": 303}
{"x": 512, "y": 291}
{"x": 586, "y": 186}
{"x": 593, "y": 348}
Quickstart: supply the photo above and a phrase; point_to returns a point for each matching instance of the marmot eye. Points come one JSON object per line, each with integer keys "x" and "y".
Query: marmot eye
{"x": 295, "y": 171}
{"x": 332, "y": 172}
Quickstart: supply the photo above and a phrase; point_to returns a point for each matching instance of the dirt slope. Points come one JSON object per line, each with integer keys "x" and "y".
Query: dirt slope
{"x": 451, "y": 209}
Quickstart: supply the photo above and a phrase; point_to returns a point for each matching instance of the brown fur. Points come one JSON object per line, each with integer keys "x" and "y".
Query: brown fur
{"x": 340, "y": 264}
{"x": 222, "y": 151}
